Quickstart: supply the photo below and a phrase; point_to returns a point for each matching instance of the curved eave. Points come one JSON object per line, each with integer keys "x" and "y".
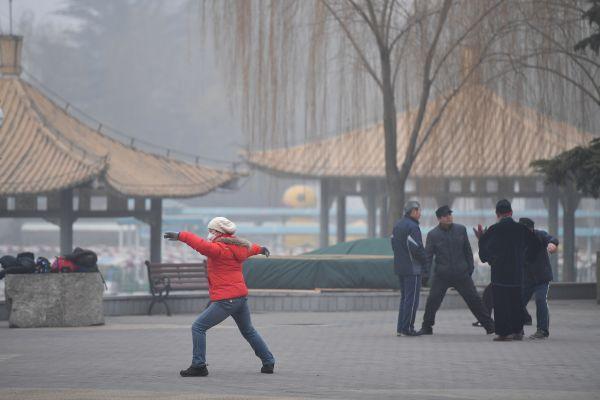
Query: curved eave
{"x": 173, "y": 191}
{"x": 35, "y": 158}
{"x": 46, "y": 186}
{"x": 130, "y": 172}
{"x": 293, "y": 174}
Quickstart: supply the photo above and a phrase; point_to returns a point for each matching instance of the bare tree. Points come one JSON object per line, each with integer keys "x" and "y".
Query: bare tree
{"x": 379, "y": 51}
{"x": 551, "y": 31}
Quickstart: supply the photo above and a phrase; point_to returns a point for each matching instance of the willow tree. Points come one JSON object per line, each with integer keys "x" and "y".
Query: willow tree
{"x": 321, "y": 66}
{"x": 557, "y": 35}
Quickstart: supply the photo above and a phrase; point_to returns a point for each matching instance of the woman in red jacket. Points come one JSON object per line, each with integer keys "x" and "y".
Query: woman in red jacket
{"x": 226, "y": 288}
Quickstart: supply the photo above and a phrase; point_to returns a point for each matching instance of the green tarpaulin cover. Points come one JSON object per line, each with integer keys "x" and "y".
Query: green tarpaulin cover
{"x": 372, "y": 247}
{"x": 360, "y": 264}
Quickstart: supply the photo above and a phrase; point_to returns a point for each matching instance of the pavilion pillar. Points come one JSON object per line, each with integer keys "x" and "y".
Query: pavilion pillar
{"x": 371, "y": 215}
{"x": 341, "y": 218}
{"x": 370, "y": 203}
{"x": 383, "y": 217}
{"x": 552, "y": 205}
{"x": 155, "y": 230}
{"x": 570, "y": 200}
{"x": 443, "y": 196}
{"x": 324, "y": 214}
{"x": 66, "y": 220}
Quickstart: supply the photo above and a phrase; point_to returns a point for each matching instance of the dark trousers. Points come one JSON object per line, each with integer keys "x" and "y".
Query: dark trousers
{"x": 541, "y": 304}
{"x": 410, "y": 288}
{"x": 488, "y": 298}
{"x": 488, "y": 304}
{"x": 466, "y": 288}
{"x": 508, "y": 309}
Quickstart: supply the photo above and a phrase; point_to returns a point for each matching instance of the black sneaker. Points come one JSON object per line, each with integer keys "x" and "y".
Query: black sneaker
{"x": 517, "y": 336}
{"x": 411, "y": 333}
{"x": 194, "y": 371}
{"x": 267, "y": 368}
{"x": 426, "y": 330}
{"x": 477, "y": 324}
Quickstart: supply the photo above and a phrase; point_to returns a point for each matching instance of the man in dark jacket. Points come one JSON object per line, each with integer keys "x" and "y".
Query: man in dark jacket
{"x": 538, "y": 275}
{"x": 506, "y": 246}
{"x": 409, "y": 261}
{"x": 448, "y": 248}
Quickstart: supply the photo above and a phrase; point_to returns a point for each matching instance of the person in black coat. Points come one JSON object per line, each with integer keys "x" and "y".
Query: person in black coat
{"x": 538, "y": 275}
{"x": 506, "y": 246}
{"x": 448, "y": 248}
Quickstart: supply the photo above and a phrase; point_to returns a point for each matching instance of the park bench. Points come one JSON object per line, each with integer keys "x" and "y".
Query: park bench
{"x": 167, "y": 278}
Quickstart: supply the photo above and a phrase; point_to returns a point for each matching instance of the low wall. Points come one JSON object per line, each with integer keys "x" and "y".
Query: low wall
{"x": 308, "y": 300}
{"x": 278, "y": 301}
{"x": 572, "y": 290}
{"x": 53, "y": 300}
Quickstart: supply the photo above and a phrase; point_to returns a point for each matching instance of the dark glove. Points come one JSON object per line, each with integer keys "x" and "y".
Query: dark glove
{"x": 171, "y": 235}
{"x": 265, "y": 251}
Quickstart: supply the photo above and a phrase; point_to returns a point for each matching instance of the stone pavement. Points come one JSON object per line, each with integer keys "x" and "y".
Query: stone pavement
{"x": 353, "y": 355}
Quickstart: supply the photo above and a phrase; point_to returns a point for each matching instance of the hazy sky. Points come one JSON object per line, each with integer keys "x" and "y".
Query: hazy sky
{"x": 216, "y": 133}
{"x": 43, "y": 11}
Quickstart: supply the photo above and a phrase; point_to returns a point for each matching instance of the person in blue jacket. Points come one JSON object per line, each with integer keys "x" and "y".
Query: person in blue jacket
{"x": 538, "y": 275}
{"x": 409, "y": 264}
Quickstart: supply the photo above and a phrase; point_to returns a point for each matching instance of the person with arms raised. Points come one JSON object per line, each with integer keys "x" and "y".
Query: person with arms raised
{"x": 228, "y": 293}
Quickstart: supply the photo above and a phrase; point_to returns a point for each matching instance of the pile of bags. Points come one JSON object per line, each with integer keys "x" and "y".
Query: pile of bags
{"x": 80, "y": 260}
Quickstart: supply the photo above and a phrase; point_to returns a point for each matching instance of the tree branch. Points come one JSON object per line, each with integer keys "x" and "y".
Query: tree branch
{"x": 410, "y": 150}
{"x": 463, "y": 36}
{"x": 447, "y": 101}
{"x": 359, "y": 51}
{"x": 565, "y": 77}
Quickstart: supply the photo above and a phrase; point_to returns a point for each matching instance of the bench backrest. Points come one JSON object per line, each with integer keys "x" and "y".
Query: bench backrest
{"x": 190, "y": 276}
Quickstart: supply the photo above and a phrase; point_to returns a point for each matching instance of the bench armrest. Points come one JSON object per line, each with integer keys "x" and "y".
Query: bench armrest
{"x": 161, "y": 280}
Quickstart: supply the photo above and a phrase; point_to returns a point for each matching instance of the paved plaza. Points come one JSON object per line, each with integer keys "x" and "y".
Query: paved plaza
{"x": 353, "y": 355}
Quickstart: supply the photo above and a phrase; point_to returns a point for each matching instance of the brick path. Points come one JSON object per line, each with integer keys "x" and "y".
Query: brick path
{"x": 353, "y": 355}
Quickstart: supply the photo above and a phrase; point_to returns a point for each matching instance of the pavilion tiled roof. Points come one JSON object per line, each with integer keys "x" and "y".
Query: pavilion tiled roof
{"x": 43, "y": 149}
{"x": 479, "y": 135}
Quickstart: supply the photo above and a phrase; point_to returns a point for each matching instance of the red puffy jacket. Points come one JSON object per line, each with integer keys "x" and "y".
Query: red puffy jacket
{"x": 224, "y": 256}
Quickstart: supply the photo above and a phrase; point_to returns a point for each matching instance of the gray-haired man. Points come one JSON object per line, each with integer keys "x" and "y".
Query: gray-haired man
{"x": 409, "y": 261}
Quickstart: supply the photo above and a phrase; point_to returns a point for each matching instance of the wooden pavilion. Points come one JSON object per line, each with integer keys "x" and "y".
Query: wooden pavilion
{"x": 52, "y": 165}
{"x": 482, "y": 147}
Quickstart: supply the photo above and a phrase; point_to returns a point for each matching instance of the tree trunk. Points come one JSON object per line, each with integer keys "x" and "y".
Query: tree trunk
{"x": 394, "y": 182}
{"x": 570, "y": 201}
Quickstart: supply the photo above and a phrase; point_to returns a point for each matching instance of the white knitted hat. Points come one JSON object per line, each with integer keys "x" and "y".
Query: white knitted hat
{"x": 222, "y": 225}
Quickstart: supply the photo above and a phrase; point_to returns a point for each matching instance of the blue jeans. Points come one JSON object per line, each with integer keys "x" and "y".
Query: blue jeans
{"x": 410, "y": 287}
{"x": 541, "y": 304}
{"x": 216, "y": 313}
